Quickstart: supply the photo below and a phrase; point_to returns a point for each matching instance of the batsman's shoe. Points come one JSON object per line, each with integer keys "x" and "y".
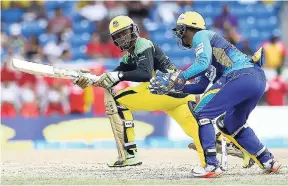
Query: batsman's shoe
{"x": 271, "y": 166}
{"x": 132, "y": 159}
{"x": 210, "y": 171}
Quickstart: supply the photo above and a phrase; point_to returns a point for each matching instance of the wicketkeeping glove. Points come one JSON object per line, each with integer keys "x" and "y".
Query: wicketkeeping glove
{"x": 163, "y": 83}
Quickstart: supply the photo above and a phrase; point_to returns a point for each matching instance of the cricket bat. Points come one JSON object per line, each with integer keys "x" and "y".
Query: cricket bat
{"x": 49, "y": 70}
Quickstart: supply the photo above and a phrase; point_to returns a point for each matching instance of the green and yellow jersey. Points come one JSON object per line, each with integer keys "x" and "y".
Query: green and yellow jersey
{"x": 147, "y": 58}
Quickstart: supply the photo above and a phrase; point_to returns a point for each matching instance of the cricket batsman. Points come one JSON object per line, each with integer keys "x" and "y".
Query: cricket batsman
{"x": 238, "y": 84}
{"x": 139, "y": 64}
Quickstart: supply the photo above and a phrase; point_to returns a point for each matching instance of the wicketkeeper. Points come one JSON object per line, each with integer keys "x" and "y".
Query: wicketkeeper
{"x": 238, "y": 84}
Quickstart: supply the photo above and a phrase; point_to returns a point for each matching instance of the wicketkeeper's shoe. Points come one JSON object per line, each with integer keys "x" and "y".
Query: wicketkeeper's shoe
{"x": 210, "y": 171}
{"x": 232, "y": 150}
{"x": 271, "y": 166}
{"x": 132, "y": 159}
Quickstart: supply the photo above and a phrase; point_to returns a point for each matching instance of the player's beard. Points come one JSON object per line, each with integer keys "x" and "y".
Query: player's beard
{"x": 127, "y": 45}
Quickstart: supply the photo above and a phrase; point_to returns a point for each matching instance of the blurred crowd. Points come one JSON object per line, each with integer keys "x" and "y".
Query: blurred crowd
{"x": 30, "y": 96}
{"x": 59, "y": 29}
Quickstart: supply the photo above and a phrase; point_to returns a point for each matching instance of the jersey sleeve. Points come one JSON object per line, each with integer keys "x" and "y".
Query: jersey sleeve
{"x": 203, "y": 52}
{"x": 123, "y": 64}
{"x": 198, "y": 86}
{"x": 122, "y": 67}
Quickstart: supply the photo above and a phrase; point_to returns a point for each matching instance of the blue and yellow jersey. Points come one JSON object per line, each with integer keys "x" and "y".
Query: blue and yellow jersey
{"x": 212, "y": 49}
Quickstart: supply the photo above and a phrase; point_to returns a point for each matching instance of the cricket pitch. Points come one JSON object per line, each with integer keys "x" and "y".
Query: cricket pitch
{"x": 160, "y": 167}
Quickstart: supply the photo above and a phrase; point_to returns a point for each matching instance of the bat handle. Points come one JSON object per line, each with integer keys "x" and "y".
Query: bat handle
{"x": 76, "y": 74}
{"x": 92, "y": 78}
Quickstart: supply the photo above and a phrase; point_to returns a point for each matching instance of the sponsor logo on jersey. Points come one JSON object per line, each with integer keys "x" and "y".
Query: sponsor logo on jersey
{"x": 199, "y": 49}
{"x": 211, "y": 73}
{"x": 141, "y": 58}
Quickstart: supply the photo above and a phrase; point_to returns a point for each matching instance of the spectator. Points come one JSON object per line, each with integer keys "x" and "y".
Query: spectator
{"x": 246, "y": 49}
{"x": 110, "y": 50}
{"x": 226, "y": 19}
{"x": 66, "y": 55}
{"x": 275, "y": 52}
{"x": 4, "y": 46}
{"x": 33, "y": 48}
{"x": 185, "y": 3}
{"x": 95, "y": 47}
{"x": 34, "y": 10}
{"x": 227, "y": 24}
{"x": 59, "y": 22}
{"x": 10, "y": 4}
{"x": 143, "y": 31}
{"x": 115, "y": 8}
{"x": 102, "y": 26}
{"x": 76, "y": 100}
{"x": 28, "y": 100}
{"x": 277, "y": 90}
{"x": 26, "y": 78}
{"x": 138, "y": 9}
{"x": 4, "y": 39}
{"x": 88, "y": 11}
{"x": 59, "y": 50}
{"x": 9, "y": 99}
{"x": 81, "y": 4}
{"x": 16, "y": 41}
{"x": 7, "y": 74}
{"x": 168, "y": 12}
{"x": 217, "y": 28}
{"x": 102, "y": 47}
{"x": 55, "y": 100}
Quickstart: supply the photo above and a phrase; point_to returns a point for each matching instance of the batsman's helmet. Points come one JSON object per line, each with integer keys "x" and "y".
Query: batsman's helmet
{"x": 122, "y": 23}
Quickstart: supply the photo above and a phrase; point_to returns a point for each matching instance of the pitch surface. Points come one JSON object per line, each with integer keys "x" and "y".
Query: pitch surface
{"x": 167, "y": 166}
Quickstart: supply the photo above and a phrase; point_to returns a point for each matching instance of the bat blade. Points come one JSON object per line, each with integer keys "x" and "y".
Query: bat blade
{"x": 33, "y": 68}
{"x": 50, "y": 71}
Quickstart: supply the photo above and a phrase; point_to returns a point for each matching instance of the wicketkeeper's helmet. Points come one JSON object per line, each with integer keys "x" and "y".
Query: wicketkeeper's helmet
{"x": 188, "y": 20}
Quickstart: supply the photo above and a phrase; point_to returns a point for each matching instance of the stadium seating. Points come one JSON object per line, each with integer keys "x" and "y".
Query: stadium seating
{"x": 12, "y": 15}
{"x": 256, "y": 23}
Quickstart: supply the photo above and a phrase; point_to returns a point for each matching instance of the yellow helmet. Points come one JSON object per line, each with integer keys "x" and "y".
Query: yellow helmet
{"x": 119, "y": 24}
{"x": 185, "y": 21}
{"x": 191, "y": 19}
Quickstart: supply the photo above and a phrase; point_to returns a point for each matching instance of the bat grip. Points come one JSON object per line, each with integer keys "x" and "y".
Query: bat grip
{"x": 92, "y": 78}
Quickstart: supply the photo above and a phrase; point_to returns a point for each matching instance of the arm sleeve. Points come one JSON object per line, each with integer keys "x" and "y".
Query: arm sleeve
{"x": 144, "y": 69}
{"x": 122, "y": 67}
{"x": 203, "y": 52}
{"x": 197, "y": 87}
